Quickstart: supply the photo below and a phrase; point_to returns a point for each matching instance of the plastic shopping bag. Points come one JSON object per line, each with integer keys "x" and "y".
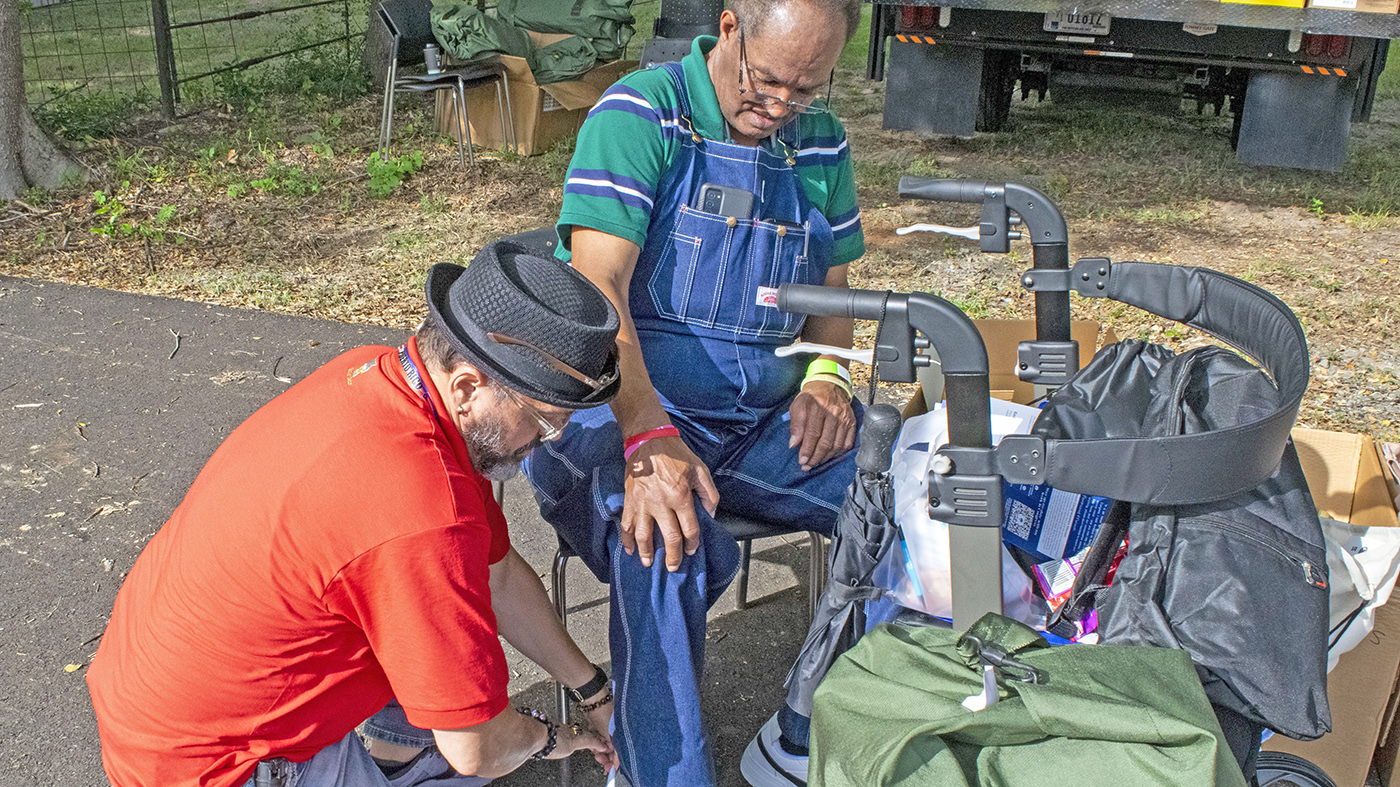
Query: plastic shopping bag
{"x": 917, "y": 570}
{"x": 1362, "y": 563}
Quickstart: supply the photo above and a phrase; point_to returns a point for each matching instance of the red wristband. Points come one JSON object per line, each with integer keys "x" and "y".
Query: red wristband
{"x": 634, "y": 442}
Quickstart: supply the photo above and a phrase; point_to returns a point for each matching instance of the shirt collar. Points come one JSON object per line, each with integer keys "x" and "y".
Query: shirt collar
{"x": 704, "y": 104}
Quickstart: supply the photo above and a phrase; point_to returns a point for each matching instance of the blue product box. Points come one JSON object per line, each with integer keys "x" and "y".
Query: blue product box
{"x": 1050, "y": 523}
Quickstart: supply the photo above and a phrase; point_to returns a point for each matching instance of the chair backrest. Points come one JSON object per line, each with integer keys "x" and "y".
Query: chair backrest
{"x": 411, "y": 26}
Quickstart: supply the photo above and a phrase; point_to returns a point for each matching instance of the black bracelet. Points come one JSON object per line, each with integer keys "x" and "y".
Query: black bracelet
{"x": 599, "y": 682}
{"x": 551, "y": 732}
{"x": 589, "y": 707}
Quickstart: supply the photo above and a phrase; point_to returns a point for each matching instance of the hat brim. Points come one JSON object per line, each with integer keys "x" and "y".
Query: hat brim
{"x": 470, "y": 341}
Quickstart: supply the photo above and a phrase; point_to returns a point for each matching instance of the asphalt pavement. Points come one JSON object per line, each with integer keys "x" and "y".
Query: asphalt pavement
{"x": 109, "y": 405}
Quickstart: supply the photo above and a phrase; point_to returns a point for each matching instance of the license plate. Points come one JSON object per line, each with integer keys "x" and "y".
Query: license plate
{"x": 1078, "y": 21}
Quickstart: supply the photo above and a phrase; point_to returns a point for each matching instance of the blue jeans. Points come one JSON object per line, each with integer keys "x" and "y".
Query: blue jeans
{"x": 348, "y": 764}
{"x": 657, "y": 617}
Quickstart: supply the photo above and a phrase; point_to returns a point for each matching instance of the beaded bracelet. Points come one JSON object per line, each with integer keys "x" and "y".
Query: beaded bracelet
{"x": 589, "y": 707}
{"x": 551, "y": 732}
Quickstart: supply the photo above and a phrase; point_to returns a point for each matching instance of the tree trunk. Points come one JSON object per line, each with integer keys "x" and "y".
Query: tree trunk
{"x": 27, "y": 156}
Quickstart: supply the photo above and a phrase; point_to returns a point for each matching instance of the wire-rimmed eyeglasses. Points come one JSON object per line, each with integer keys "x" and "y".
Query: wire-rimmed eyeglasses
{"x": 548, "y": 431}
{"x": 766, "y": 100}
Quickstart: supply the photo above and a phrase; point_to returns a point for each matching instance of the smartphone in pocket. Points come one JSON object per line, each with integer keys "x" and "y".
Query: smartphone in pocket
{"x": 725, "y": 201}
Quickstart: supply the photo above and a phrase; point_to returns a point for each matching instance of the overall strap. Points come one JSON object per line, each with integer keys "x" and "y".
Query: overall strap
{"x": 677, "y": 74}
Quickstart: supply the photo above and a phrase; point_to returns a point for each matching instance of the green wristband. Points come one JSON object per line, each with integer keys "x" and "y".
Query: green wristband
{"x": 824, "y": 366}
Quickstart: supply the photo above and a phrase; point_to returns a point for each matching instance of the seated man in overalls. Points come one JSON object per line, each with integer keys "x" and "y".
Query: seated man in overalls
{"x": 657, "y": 213}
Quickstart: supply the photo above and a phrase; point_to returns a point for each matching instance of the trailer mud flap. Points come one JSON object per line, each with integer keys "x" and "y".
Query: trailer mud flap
{"x": 1296, "y": 120}
{"x": 932, "y": 88}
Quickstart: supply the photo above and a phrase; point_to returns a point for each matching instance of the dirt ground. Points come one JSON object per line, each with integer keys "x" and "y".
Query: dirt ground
{"x": 268, "y": 208}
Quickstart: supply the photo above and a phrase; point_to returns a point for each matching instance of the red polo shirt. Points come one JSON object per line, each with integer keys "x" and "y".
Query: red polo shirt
{"x": 332, "y": 554}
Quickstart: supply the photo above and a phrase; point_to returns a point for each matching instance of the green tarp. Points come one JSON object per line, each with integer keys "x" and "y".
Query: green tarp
{"x": 607, "y": 24}
{"x": 890, "y": 712}
{"x": 563, "y": 60}
{"x": 466, "y": 33}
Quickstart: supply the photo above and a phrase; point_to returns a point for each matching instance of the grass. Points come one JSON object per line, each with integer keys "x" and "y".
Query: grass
{"x": 90, "y": 65}
{"x": 1091, "y": 159}
{"x": 1094, "y": 157}
{"x": 267, "y": 179}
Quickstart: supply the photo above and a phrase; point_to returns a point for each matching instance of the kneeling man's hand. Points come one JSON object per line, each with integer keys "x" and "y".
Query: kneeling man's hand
{"x": 823, "y": 424}
{"x": 598, "y": 719}
{"x": 663, "y": 477}
{"x": 586, "y": 740}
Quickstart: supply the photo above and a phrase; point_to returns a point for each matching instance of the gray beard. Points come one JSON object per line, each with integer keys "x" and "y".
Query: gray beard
{"x": 486, "y": 448}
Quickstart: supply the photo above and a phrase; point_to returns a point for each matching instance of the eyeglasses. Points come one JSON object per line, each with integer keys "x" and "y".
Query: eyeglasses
{"x": 597, "y": 385}
{"x": 767, "y": 100}
{"x": 548, "y": 431}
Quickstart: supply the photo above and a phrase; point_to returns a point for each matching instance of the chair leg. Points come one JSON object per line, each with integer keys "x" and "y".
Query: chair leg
{"x": 389, "y": 126}
{"x": 501, "y": 110}
{"x": 816, "y": 571}
{"x": 466, "y": 124}
{"x": 510, "y": 114}
{"x": 384, "y": 110}
{"x": 558, "y": 586}
{"x": 741, "y": 591}
{"x": 458, "y": 103}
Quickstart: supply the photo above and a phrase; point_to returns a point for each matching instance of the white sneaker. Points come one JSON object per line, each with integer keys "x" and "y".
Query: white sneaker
{"x": 765, "y": 764}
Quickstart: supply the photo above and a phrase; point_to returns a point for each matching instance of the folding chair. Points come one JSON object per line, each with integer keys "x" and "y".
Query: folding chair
{"x": 409, "y": 23}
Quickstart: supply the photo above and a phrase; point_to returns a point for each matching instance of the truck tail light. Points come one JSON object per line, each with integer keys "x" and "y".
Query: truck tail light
{"x": 1326, "y": 46}
{"x": 917, "y": 18}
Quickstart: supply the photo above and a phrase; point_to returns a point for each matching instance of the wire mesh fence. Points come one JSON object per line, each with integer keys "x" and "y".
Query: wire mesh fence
{"x": 87, "y": 62}
{"x": 79, "y": 44}
{"x": 126, "y": 53}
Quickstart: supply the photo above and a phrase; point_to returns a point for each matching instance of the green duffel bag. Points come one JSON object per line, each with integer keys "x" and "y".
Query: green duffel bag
{"x": 466, "y": 33}
{"x": 606, "y": 23}
{"x": 563, "y": 60}
{"x": 891, "y": 711}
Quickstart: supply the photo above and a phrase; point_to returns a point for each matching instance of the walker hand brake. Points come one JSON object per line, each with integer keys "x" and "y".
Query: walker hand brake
{"x": 866, "y": 357}
{"x": 971, "y": 233}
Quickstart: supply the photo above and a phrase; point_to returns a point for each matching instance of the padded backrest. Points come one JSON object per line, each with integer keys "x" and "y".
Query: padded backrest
{"x": 410, "y": 20}
{"x": 1203, "y": 466}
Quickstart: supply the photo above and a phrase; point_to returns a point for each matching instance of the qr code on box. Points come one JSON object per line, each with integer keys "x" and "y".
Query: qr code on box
{"x": 1019, "y": 521}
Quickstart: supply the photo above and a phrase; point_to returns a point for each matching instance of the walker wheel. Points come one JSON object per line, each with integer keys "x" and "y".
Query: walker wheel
{"x": 1277, "y": 769}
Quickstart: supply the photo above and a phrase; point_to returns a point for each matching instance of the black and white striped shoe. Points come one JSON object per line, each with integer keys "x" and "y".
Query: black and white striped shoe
{"x": 766, "y": 764}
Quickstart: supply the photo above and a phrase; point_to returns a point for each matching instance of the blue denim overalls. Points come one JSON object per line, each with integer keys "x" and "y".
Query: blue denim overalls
{"x": 703, "y": 297}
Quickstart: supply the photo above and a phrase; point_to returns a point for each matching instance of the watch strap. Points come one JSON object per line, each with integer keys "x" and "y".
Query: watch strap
{"x": 597, "y": 684}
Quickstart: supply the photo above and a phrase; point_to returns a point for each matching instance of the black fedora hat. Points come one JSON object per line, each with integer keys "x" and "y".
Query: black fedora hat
{"x": 535, "y": 324}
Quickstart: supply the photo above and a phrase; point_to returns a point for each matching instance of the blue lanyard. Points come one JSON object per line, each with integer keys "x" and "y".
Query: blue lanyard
{"x": 410, "y": 370}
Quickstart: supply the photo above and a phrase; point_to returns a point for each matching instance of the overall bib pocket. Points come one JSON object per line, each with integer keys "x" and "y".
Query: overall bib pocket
{"x": 722, "y": 274}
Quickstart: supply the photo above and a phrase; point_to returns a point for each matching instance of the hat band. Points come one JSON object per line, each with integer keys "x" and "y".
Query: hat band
{"x": 597, "y": 385}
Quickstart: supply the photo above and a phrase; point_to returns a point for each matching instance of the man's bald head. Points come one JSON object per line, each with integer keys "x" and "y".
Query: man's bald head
{"x": 792, "y": 15}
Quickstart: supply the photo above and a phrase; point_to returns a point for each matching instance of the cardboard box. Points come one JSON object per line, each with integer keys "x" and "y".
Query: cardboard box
{"x": 541, "y": 114}
{"x": 1349, "y": 484}
{"x": 1360, "y": 692}
{"x": 1001, "y": 338}
{"x": 1285, "y": 3}
{"x": 1362, "y": 6}
{"x": 1348, "y": 480}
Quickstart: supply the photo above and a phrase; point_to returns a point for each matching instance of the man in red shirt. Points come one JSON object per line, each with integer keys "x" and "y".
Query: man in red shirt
{"x": 341, "y": 553}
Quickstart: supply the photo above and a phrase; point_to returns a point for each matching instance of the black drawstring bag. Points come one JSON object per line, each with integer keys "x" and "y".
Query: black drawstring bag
{"x": 1240, "y": 583}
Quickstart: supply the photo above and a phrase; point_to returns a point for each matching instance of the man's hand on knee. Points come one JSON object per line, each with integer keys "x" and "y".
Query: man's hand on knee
{"x": 823, "y": 424}
{"x": 663, "y": 477}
